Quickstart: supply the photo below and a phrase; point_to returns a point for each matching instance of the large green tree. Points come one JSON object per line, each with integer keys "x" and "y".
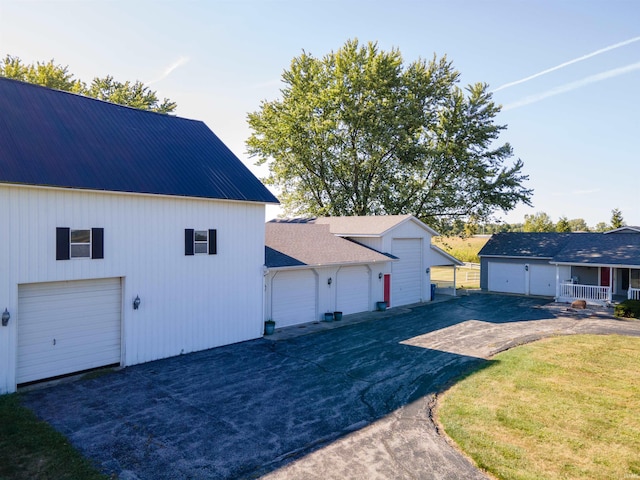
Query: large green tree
{"x": 51, "y": 75}
{"x": 357, "y": 132}
{"x": 538, "y": 222}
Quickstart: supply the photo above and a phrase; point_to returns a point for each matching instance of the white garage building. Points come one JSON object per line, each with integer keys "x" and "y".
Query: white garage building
{"x": 128, "y": 236}
{"x": 347, "y": 264}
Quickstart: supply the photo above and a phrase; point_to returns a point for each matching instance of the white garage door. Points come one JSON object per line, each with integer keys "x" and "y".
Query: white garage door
{"x": 507, "y": 277}
{"x": 66, "y": 327}
{"x": 542, "y": 280}
{"x": 406, "y": 286}
{"x": 293, "y": 298}
{"x": 352, "y": 290}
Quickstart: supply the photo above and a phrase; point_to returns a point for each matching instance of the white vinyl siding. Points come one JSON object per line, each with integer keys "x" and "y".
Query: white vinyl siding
{"x": 352, "y": 286}
{"x": 507, "y": 277}
{"x": 294, "y": 297}
{"x": 188, "y": 303}
{"x": 406, "y": 280}
{"x": 66, "y": 327}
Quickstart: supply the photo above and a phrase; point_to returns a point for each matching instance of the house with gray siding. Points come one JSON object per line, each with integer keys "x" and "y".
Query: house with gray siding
{"x": 596, "y": 267}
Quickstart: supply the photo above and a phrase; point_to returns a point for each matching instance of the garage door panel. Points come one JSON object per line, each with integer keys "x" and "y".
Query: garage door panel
{"x": 294, "y": 297}
{"x": 542, "y": 280}
{"x": 506, "y": 277}
{"x": 352, "y": 284}
{"x": 406, "y": 281}
{"x": 65, "y": 327}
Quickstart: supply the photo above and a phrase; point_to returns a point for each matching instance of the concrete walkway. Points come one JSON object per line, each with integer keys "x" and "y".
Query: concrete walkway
{"x": 350, "y": 402}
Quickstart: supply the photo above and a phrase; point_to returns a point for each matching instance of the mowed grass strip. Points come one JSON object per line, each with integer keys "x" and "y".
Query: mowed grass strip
{"x": 564, "y": 407}
{"x": 32, "y": 449}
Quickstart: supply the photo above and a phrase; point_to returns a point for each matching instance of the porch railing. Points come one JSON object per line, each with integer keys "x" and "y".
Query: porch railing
{"x": 585, "y": 292}
{"x": 633, "y": 293}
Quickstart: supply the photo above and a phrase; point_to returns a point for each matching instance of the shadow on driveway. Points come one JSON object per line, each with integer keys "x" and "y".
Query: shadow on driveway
{"x": 245, "y": 410}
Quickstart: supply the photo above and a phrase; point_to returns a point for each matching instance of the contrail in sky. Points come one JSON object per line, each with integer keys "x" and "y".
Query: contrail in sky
{"x": 566, "y": 64}
{"x": 573, "y": 85}
{"x": 181, "y": 61}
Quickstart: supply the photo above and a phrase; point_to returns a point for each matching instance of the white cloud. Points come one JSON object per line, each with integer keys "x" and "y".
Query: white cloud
{"x": 573, "y": 86}
{"x": 566, "y": 64}
{"x": 181, "y": 61}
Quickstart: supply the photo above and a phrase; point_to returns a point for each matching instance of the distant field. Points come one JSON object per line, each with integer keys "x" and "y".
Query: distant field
{"x": 464, "y": 249}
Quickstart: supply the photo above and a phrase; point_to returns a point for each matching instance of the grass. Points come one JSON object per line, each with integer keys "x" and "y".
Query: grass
{"x": 464, "y": 249}
{"x": 560, "y": 408}
{"x": 465, "y": 277}
{"x": 30, "y": 448}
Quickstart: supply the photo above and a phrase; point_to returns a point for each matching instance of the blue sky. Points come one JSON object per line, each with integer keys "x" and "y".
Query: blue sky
{"x": 576, "y": 127}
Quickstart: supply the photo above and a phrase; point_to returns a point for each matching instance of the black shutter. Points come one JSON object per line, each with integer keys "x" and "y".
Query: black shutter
{"x": 97, "y": 243}
{"x": 213, "y": 242}
{"x": 188, "y": 241}
{"x": 63, "y": 243}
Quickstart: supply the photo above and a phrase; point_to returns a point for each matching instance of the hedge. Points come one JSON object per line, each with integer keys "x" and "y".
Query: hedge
{"x": 628, "y": 308}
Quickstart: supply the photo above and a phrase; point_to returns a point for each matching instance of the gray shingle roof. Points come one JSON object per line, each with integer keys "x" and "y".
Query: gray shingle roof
{"x": 601, "y": 249}
{"x": 60, "y": 139}
{"x": 367, "y": 225}
{"x": 299, "y": 244}
{"x": 536, "y": 245}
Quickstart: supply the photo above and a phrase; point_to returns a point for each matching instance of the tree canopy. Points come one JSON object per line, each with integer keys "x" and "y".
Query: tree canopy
{"x": 616, "y": 219}
{"x": 357, "y": 132}
{"x": 50, "y": 75}
{"x": 538, "y": 222}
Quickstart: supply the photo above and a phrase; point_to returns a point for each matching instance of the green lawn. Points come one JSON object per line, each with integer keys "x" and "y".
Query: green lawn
{"x": 560, "y": 408}
{"x": 31, "y": 449}
{"x": 465, "y": 277}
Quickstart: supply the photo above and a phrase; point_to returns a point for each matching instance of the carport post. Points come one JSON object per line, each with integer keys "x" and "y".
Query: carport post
{"x": 454, "y": 280}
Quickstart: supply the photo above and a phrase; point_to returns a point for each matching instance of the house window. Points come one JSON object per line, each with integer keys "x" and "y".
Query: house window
{"x": 200, "y": 242}
{"x": 635, "y": 278}
{"x": 79, "y": 243}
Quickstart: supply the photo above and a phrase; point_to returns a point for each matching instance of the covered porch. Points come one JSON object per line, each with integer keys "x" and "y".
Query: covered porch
{"x": 597, "y": 285}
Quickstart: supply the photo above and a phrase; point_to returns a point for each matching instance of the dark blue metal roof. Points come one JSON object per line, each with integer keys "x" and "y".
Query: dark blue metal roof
{"x": 54, "y": 138}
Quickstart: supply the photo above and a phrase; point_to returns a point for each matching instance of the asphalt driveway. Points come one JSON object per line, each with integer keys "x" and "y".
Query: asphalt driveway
{"x": 350, "y": 402}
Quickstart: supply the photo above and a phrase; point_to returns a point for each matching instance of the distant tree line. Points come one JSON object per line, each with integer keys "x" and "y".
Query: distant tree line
{"x": 537, "y": 222}
{"x": 132, "y": 94}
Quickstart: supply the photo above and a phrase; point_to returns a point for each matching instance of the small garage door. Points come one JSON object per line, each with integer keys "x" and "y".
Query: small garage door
{"x": 406, "y": 286}
{"x": 293, "y": 297}
{"x": 507, "y": 277}
{"x": 542, "y": 280}
{"x": 66, "y": 327}
{"x": 352, "y": 290}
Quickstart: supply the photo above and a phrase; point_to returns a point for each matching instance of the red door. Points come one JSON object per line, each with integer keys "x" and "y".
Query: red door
{"x": 605, "y": 276}
{"x": 387, "y": 289}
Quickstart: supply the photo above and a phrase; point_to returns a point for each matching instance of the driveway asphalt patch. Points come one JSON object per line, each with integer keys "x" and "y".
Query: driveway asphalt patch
{"x": 348, "y": 402}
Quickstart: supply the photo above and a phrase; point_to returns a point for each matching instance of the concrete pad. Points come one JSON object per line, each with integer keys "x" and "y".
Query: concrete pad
{"x": 353, "y": 400}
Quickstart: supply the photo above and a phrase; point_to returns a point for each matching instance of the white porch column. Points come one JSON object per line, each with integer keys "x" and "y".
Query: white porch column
{"x": 610, "y": 284}
{"x": 557, "y": 282}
